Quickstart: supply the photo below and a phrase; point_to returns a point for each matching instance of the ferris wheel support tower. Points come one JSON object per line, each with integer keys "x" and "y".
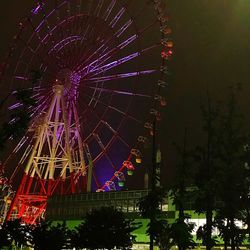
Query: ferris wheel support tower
{"x": 56, "y": 163}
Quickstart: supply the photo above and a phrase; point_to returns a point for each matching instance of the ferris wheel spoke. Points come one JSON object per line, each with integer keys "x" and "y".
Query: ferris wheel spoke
{"x": 96, "y": 70}
{"x": 42, "y": 104}
{"x": 103, "y": 55}
{"x": 45, "y": 20}
{"x": 50, "y": 34}
{"x": 100, "y": 47}
{"x": 62, "y": 43}
{"x": 109, "y": 10}
{"x": 90, "y": 27}
{"x": 113, "y": 108}
{"x": 96, "y": 180}
{"x": 115, "y": 133}
{"x": 21, "y": 78}
{"x": 104, "y": 149}
{"x": 122, "y": 45}
{"x": 119, "y": 76}
{"x": 91, "y": 52}
{"x": 117, "y": 17}
{"x": 106, "y": 124}
{"x": 98, "y": 8}
{"x": 119, "y": 92}
{"x": 100, "y": 68}
{"x": 48, "y": 63}
{"x": 128, "y": 41}
{"x": 123, "y": 28}
{"x": 102, "y": 50}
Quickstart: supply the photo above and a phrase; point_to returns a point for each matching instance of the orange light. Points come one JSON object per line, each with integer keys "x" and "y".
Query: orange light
{"x": 163, "y": 102}
{"x": 170, "y": 44}
{"x": 138, "y": 160}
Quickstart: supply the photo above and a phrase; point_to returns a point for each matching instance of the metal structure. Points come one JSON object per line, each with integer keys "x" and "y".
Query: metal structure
{"x": 97, "y": 73}
{"x": 6, "y": 194}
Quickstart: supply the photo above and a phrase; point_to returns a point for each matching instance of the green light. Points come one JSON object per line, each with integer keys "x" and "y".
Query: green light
{"x": 130, "y": 172}
{"x": 121, "y": 183}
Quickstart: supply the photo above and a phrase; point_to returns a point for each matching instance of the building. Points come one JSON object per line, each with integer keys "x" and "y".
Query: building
{"x": 72, "y": 208}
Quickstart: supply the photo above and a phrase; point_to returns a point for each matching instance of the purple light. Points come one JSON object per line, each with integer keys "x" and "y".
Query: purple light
{"x": 114, "y": 64}
{"x": 21, "y": 78}
{"x": 119, "y": 76}
{"x": 119, "y": 92}
{"x": 14, "y": 106}
{"x": 63, "y": 43}
{"x": 37, "y": 9}
{"x": 75, "y": 78}
{"x": 104, "y": 56}
{"x": 117, "y": 17}
{"x": 123, "y": 28}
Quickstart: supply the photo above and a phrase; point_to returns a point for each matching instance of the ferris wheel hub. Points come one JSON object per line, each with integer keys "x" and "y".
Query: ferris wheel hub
{"x": 67, "y": 81}
{"x": 58, "y": 88}
{"x": 64, "y": 77}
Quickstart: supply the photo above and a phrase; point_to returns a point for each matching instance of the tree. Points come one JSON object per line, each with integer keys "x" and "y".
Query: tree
{"x": 5, "y": 240}
{"x": 234, "y": 185}
{"x": 45, "y": 236}
{"x": 19, "y": 118}
{"x": 206, "y": 176}
{"x": 181, "y": 229}
{"x": 14, "y": 233}
{"x": 149, "y": 205}
{"x": 157, "y": 228}
{"x": 181, "y": 233}
{"x": 76, "y": 241}
{"x": 161, "y": 233}
{"x": 105, "y": 228}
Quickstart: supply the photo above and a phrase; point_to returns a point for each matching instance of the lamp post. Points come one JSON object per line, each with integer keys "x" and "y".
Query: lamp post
{"x": 155, "y": 175}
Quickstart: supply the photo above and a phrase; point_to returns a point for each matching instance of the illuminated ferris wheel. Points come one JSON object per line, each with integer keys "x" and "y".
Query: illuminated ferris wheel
{"x": 97, "y": 73}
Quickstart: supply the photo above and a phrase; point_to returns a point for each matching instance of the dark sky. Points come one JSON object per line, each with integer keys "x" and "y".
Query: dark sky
{"x": 212, "y": 51}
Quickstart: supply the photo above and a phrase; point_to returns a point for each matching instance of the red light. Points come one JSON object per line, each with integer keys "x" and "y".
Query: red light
{"x": 170, "y": 52}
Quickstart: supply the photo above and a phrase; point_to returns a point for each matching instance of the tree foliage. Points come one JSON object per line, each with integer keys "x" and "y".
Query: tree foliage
{"x": 14, "y": 233}
{"x": 207, "y": 168}
{"x": 45, "y": 236}
{"x": 18, "y": 119}
{"x": 234, "y": 183}
{"x": 158, "y": 227}
{"x": 105, "y": 228}
{"x": 181, "y": 229}
{"x": 222, "y": 170}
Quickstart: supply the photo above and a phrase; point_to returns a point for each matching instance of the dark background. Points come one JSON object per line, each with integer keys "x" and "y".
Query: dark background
{"x": 212, "y": 52}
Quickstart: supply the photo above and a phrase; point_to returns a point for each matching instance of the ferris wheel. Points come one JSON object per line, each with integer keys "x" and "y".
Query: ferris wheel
{"x": 96, "y": 71}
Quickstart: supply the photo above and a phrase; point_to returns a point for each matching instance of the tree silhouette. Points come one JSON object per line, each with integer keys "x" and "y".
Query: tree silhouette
{"x": 158, "y": 227}
{"x": 234, "y": 185}
{"x": 14, "y": 233}
{"x": 181, "y": 229}
{"x": 206, "y": 176}
{"x": 18, "y": 120}
{"x": 45, "y": 236}
{"x": 5, "y": 240}
{"x": 105, "y": 228}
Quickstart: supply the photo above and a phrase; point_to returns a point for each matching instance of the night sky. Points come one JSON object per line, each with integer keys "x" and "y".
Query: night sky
{"x": 212, "y": 52}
